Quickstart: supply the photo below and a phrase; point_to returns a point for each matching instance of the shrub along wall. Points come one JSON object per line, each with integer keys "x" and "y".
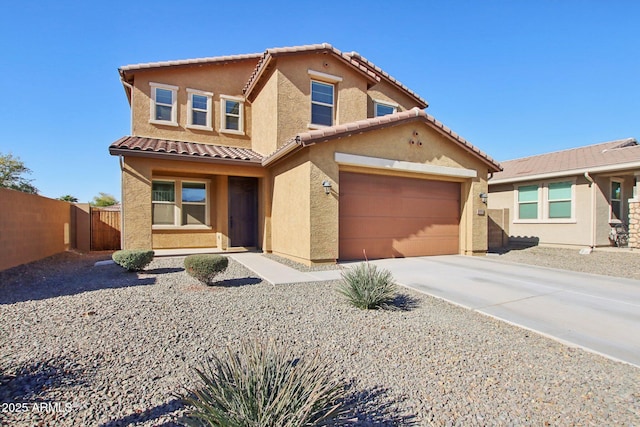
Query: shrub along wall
{"x": 32, "y": 227}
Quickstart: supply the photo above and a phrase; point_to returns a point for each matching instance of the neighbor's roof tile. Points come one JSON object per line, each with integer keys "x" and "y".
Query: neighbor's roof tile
{"x": 613, "y": 153}
{"x": 129, "y": 145}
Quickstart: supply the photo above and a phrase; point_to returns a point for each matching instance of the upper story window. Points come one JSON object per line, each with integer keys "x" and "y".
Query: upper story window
{"x": 382, "y": 108}
{"x": 232, "y": 114}
{"x": 164, "y": 109}
{"x": 323, "y": 98}
{"x": 199, "y": 109}
{"x": 528, "y": 202}
{"x": 321, "y": 103}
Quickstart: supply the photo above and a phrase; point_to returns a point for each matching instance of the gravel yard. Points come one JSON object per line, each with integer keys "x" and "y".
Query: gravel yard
{"x": 99, "y": 346}
{"x": 609, "y": 262}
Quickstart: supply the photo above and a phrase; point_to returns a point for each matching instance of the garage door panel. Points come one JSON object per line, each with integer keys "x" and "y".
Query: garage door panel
{"x": 394, "y": 206}
{"x": 392, "y": 216}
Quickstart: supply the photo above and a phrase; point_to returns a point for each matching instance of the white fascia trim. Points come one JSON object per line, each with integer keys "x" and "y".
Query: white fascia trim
{"x": 388, "y": 103}
{"x": 324, "y": 76}
{"x": 560, "y": 174}
{"x": 398, "y": 165}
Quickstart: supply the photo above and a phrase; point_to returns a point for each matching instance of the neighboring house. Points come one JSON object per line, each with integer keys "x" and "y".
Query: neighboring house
{"x": 569, "y": 197}
{"x": 306, "y": 152}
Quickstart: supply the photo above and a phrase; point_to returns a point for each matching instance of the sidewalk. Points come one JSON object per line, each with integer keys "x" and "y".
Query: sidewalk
{"x": 277, "y": 273}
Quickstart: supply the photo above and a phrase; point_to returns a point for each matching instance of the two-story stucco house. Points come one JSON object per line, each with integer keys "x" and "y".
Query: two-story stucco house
{"x": 306, "y": 152}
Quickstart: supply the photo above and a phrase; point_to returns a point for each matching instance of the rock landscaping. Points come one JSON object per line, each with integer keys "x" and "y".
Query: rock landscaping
{"x": 97, "y": 345}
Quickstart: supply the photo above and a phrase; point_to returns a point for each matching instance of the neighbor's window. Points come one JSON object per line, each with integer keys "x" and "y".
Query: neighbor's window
{"x": 382, "y": 109}
{"x": 232, "y": 119}
{"x": 616, "y": 200}
{"x": 194, "y": 203}
{"x": 199, "y": 109}
{"x": 163, "y": 198}
{"x": 559, "y": 197}
{"x": 164, "y": 108}
{"x": 321, "y": 103}
{"x": 179, "y": 203}
{"x": 528, "y": 202}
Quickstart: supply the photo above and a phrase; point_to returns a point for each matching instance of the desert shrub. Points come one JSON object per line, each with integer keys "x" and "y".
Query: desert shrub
{"x": 133, "y": 259}
{"x": 261, "y": 385}
{"x": 367, "y": 287}
{"x": 205, "y": 267}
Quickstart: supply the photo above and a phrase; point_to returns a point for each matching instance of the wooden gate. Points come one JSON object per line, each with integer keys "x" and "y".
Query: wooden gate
{"x": 105, "y": 229}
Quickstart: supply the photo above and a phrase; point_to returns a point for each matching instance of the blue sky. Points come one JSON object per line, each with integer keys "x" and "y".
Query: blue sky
{"x": 515, "y": 78}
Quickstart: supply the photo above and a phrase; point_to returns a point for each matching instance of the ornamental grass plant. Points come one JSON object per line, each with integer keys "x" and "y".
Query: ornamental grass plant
{"x": 367, "y": 287}
{"x": 261, "y": 385}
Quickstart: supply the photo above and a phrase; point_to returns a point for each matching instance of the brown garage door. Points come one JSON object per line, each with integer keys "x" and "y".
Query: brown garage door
{"x": 390, "y": 216}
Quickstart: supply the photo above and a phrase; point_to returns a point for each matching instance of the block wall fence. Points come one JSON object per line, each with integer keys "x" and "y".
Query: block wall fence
{"x": 33, "y": 227}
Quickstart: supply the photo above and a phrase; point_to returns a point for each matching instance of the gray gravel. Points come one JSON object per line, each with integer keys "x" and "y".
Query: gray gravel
{"x": 609, "y": 262}
{"x": 117, "y": 347}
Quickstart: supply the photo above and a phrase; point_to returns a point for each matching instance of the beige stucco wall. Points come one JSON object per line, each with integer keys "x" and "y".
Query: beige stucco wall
{"x": 384, "y": 91}
{"x": 32, "y": 227}
{"x": 220, "y": 79}
{"x": 390, "y": 143}
{"x": 291, "y": 208}
{"x": 592, "y": 213}
{"x": 136, "y": 195}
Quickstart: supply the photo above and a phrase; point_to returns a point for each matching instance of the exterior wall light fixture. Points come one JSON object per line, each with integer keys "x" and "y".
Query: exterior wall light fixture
{"x": 327, "y": 187}
{"x": 484, "y": 197}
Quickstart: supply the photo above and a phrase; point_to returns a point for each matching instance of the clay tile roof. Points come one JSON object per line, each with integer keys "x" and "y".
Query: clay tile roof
{"x": 195, "y": 61}
{"x": 152, "y": 147}
{"x": 366, "y": 67}
{"x": 612, "y": 155}
{"x": 339, "y": 131}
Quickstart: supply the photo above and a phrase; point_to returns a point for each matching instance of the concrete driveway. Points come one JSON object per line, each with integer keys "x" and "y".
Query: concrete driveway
{"x": 598, "y": 313}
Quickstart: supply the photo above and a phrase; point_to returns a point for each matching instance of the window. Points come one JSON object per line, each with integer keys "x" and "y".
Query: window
{"x": 177, "y": 203}
{"x": 164, "y": 202}
{"x": 199, "y": 109}
{"x": 321, "y": 103}
{"x": 164, "y": 108}
{"x": 232, "y": 110}
{"x": 528, "y": 202}
{"x": 615, "y": 200}
{"x": 383, "y": 108}
{"x": 559, "y": 198}
{"x": 194, "y": 203}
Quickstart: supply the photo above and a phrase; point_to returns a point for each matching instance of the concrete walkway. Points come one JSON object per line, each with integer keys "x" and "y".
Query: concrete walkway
{"x": 277, "y": 273}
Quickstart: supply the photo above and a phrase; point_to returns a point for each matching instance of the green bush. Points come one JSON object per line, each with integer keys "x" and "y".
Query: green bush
{"x": 133, "y": 259}
{"x": 205, "y": 267}
{"x": 261, "y": 385}
{"x": 366, "y": 287}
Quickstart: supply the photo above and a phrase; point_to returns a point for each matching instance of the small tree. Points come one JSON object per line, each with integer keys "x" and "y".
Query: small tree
{"x": 12, "y": 170}
{"x": 104, "y": 199}
{"x": 68, "y": 198}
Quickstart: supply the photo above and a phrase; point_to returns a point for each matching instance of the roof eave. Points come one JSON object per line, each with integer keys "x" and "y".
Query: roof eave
{"x": 572, "y": 172}
{"x": 177, "y": 156}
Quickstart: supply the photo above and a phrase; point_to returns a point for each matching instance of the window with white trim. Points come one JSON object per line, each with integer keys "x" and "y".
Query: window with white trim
{"x": 164, "y": 109}
{"x": 528, "y": 202}
{"x": 232, "y": 114}
{"x": 615, "y": 200}
{"x": 559, "y": 199}
{"x": 322, "y": 103}
{"x": 199, "y": 109}
{"x": 180, "y": 203}
{"x": 383, "y": 108}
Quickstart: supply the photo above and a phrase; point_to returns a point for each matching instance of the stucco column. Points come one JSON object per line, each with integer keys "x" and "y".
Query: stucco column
{"x": 634, "y": 223}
